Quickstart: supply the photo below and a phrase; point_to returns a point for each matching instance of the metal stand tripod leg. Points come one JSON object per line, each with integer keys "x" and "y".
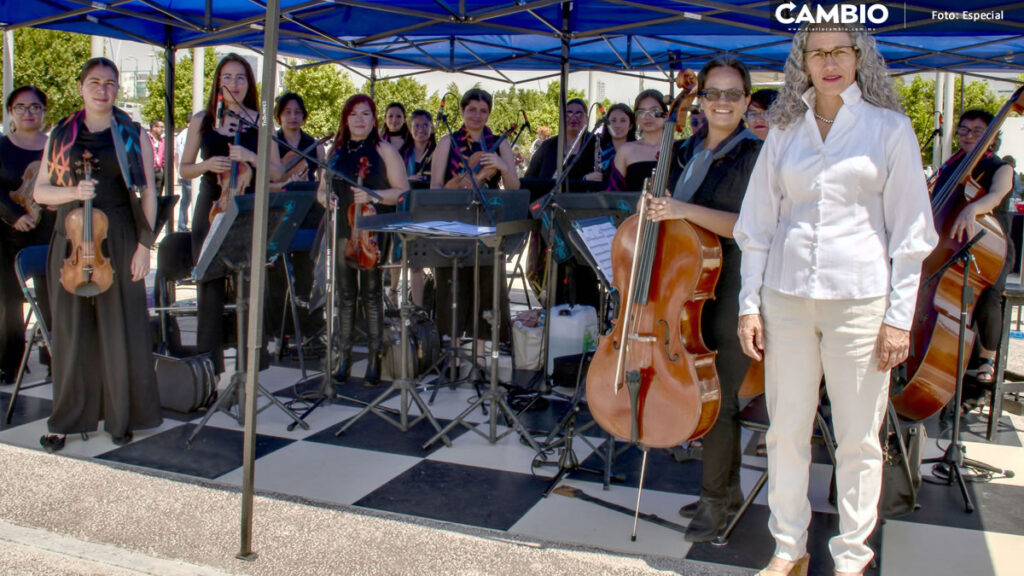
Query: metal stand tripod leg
{"x": 449, "y": 358}
{"x": 495, "y": 395}
{"x": 404, "y": 385}
{"x": 237, "y": 385}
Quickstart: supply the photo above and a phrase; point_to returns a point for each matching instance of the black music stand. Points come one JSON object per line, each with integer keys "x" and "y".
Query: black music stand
{"x": 225, "y": 253}
{"x": 955, "y": 458}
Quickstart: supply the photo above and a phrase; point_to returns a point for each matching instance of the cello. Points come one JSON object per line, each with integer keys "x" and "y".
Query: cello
{"x": 931, "y": 367}
{"x": 361, "y": 250}
{"x": 86, "y": 272}
{"x": 652, "y": 380}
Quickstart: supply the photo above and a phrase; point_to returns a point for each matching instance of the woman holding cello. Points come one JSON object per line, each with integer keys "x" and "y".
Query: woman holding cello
{"x": 717, "y": 163}
{"x": 102, "y": 355}
{"x": 24, "y": 222}
{"x": 497, "y": 166}
{"x": 359, "y": 153}
{"x": 834, "y": 227}
{"x": 222, "y": 134}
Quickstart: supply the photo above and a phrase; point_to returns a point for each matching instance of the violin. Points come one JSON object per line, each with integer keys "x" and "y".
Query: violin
{"x": 232, "y": 182}
{"x": 931, "y": 367}
{"x": 294, "y": 163}
{"x": 23, "y": 195}
{"x": 86, "y": 271}
{"x": 664, "y": 272}
{"x": 361, "y": 250}
{"x": 480, "y": 172}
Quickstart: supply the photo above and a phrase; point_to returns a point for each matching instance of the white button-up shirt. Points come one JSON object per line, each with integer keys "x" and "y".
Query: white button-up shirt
{"x": 845, "y": 218}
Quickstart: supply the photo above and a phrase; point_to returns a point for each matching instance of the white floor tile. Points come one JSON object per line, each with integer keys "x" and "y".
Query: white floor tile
{"x": 27, "y": 436}
{"x": 472, "y": 449}
{"x": 909, "y": 548}
{"x": 324, "y": 472}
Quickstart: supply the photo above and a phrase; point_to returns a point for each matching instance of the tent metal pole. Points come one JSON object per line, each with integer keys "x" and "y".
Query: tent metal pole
{"x": 563, "y": 91}
{"x": 169, "y": 169}
{"x": 373, "y": 78}
{"x": 258, "y": 272}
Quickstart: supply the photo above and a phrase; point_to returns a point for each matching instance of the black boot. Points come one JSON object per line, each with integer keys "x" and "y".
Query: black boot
{"x": 346, "y": 325}
{"x": 374, "y": 305}
{"x": 372, "y": 377}
{"x": 710, "y": 520}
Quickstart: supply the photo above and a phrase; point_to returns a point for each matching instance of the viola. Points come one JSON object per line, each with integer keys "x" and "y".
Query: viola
{"x": 931, "y": 367}
{"x": 361, "y": 250}
{"x": 480, "y": 172}
{"x": 23, "y": 195}
{"x": 86, "y": 271}
{"x": 232, "y": 182}
{"x": 652, "y": 380}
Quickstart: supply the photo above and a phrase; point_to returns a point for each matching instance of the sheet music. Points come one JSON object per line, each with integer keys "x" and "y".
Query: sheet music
{"x": 597, "y": 235}
{"x": 440, "y": 228}
{"x": 214, "y": 226}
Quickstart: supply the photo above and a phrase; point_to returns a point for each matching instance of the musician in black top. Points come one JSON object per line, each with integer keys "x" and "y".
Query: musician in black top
{"x": 20, "y": 152}
{"x": 717, "y": 162}
{"x": 231, "y": 107}
{"x": 385, "y": 174}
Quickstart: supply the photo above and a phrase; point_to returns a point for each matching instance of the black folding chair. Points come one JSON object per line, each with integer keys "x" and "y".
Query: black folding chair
{"x": 30, "y": 264}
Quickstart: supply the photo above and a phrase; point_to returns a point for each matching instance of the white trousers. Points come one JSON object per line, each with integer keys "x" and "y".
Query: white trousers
{"x": 805, "y": 339}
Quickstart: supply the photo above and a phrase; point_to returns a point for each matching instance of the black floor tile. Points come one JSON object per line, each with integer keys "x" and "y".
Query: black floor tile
{"x": 663, "y": 472}
{"x": 543, "y": 416}
{"x": 998, "y": 507}
{"x": 455, "y": 493}
{"x": 751, "y": 544}
{"x": 215, "y": 451}
{"x": 373, "y": 433}
{"x": 26, "y": 409}
{"x": 974, "y": 428}
{"x": 351, "y": 393}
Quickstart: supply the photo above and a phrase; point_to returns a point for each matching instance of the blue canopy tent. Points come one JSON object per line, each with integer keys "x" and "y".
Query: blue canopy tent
{"x": 488, "y": 37}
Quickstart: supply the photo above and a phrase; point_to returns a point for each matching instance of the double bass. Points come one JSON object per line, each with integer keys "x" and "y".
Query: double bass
{"x": 652, "y": 380}
{"x": 86, "y": 272}
{"x": 931, "y": 368}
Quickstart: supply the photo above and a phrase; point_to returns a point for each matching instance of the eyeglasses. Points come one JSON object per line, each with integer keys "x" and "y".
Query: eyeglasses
{"x": 754, "y": 114}
{"x": 650, "y": 113}
{"x": 575, "y": 114}
{"x": 101, "y": 85}
{"x": 965, "y": 131}
{"x": 730, "y": 95}
{"x": 839, "y": 54}
{"x": 233, "y": 79}
{"x": 20, "y": 109}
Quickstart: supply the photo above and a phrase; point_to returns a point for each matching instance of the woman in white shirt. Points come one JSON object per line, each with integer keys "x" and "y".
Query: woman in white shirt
{"x": 834, "y": 227}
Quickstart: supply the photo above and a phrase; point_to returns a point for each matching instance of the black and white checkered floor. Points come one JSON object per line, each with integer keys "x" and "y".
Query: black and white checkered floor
{"x": 473, "y": 482}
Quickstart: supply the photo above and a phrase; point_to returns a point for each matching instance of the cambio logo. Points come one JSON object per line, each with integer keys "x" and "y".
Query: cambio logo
{"x": 793, "y": 14}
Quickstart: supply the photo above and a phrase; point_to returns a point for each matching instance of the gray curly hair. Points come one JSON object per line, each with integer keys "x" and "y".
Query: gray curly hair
{"x": 872, "y": 75}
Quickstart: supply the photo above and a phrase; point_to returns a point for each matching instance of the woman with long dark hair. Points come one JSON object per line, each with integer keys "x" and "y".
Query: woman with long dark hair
{"x": 230, "y": 108}
{"x": 24, "y": 222}
{"x": 358, "y": 140}
{"x": 395, "y": 130}
{"x": 635, "y": 160}
{"x": 102, "y": 355}
{"x": 619, "y": 129}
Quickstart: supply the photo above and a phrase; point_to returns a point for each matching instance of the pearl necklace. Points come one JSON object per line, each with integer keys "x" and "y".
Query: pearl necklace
{"x": 825, "y": 120}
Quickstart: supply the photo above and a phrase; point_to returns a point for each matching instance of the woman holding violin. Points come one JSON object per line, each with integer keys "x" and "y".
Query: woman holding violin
{"x": 497, "y": 166}
{"x": 717, "y": 163}
{"x": 102, "y": 354}
{"x": 359, "y": 153}
{"x": 291, "y": 115}
{"x": 635, "y": 160}
{"x": 834, "y": 227}
{"x": 222, "y": 133}
{"x": 995, "y": 177}
{"x": 25, "y": 223}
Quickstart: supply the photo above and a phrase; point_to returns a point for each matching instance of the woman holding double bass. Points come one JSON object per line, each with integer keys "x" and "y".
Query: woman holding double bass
{"x": 360, "y": 154}
{"x": 716, "y": 165}
{"x": 102, "y": 355}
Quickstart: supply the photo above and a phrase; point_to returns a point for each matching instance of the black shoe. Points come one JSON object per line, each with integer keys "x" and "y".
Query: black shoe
{"x": 689, "y": 510}
{"x": 341, "y": 374}
{"x": 735, "y": 501}
{"x": 708, "y": 522}
{"x": 122, "y": 440}
{"x": 52, "y": 442}
{"x": 372, "y": 377}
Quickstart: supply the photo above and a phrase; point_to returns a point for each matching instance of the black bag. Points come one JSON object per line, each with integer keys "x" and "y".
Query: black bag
{"x": 901, "y": 470}
{"x": 185, "y": 384}
{"x": 424, "y": 345}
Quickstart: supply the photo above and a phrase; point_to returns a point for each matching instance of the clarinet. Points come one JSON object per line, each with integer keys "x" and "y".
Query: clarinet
{"x": 598, "y": 152}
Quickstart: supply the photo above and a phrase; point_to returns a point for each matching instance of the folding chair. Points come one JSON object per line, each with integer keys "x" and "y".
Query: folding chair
{"x": 30, "y": 264}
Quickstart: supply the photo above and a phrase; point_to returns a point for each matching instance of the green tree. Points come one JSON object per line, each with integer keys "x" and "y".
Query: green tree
{"x": 407, "y": 90}
{"x": 153, "y": 107}
{"x": 51, "y": 60}
{"x": 324, "y": 89}
{"x": 918, "y": 98}
{"x": 542, "y": 108}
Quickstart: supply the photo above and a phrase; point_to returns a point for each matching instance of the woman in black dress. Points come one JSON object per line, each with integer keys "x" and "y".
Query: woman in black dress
{"x": 717, "y": 162}
{"x": 231, "y": 107}
{"x": 395, "y": 131}
{"x": 544, "y": 164}
{"x": 619, "y": 129}
{"x": 20, "y": 153}
{"x": 474, "y": 136}
{"x": 635, "y": 160}
{"x": 358, "y": 139}
{"x": 417, "y": 153}
{"x": 102, "y": 354}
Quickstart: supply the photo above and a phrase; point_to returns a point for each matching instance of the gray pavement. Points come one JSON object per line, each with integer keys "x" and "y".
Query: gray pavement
{"x": 65, "y": 516}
